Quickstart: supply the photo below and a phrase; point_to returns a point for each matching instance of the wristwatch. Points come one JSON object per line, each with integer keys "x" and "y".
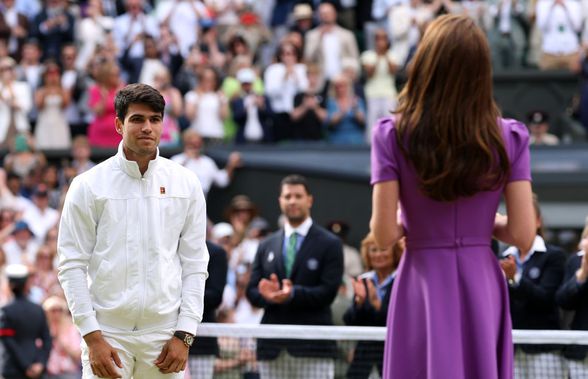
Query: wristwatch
{"x": 186, "y": 338}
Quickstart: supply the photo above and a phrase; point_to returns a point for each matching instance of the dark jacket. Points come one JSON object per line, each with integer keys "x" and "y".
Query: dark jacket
{"x": 574, "y": 297}
{"x": 239, "y": 113}
{"x": 51, "y": 40}
{"x": 22, "y": 325}
{"x": 532, "y": 301}
{"x": 367, "y": 353}
{"x": 213, "y": 297}
{"x": 316, "y": 276}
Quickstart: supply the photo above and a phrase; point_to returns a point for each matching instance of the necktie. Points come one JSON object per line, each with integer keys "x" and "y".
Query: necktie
{"x": 291, "y": 253}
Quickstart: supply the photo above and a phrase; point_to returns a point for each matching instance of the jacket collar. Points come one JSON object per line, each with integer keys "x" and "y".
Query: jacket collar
{"x": 131, "y": 168}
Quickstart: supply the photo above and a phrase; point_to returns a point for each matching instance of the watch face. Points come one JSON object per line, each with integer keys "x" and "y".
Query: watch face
{"x": 189, "y": 339}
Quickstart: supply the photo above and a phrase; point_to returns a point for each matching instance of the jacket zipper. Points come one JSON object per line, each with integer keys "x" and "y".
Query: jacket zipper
{"x": 142, "y": 219}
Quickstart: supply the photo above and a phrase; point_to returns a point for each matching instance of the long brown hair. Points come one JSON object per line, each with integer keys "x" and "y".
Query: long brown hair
{"x": 448, "y": 124}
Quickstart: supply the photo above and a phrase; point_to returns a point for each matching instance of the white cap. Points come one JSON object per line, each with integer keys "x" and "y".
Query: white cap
{"x": 16, "y": 271}
{"x": 222, "y": 230}
{"x": 246, "y": 75}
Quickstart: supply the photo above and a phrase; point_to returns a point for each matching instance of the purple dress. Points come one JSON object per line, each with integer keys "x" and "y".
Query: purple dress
{"x": 448, "y": 316}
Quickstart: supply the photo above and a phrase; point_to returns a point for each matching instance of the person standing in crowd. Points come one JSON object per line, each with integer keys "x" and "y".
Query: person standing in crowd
{"x": 533, "y": 278}
{"x": 25, "y": 333}
{"x": 328, "y": 44}
{"x": 283, "y": 80}
{"x": 573, "y": 296}
{"x": 295, "y": 278}
{"x": 309, "y": 113}
{"x": 51, "y": 99}
{"x": 371, "y": 296}
{"x": 380, "y": 66}
{"x": 135, "y": 224}
{"x": 345, "y": 113}
{"x": 203, "y": 166}
{"x": 64, "y": 360}
{"x": 206, "y": 107}
{"x": 204, "y": 352}
{"x": 15, "y": 103}
{"x": 101, "y": 102}
{"x": 53, "y": 27}
{"x": 446, "y": 113}
{"x": 251, "y": 111}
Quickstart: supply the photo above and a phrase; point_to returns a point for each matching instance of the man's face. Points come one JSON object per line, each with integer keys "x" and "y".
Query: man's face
{"x": 327, "y": 14}
{"x": 141, "y": 130}
{"x": 295, "y": 203}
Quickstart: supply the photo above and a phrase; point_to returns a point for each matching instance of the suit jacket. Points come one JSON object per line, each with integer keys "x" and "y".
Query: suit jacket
{"x": 213, "y": 297}
{"x": 313, "y": 51}
{"x": 367, "y": 353}
{"x": 53, "y": 39}
{"x": 316, "y": 276}
{"x": 240, "y": 117}
{"x": 574, "y": 297}
{"x": 532, "y": 301}
{"x": 22, "y": 324}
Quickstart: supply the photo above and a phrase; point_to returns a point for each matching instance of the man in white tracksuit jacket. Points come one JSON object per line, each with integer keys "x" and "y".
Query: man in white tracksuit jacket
{"x": 132, "y": 251}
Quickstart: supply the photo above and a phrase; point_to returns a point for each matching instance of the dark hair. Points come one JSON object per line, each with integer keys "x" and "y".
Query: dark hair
{"x": 294, "y": 180}
{"x": 285, "y": 45}
{"x": 138, "y": 93}
{"x": 448, "y": 120}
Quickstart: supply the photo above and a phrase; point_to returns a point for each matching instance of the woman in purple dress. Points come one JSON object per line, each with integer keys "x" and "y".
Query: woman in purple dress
{"x": 447, "y": 157}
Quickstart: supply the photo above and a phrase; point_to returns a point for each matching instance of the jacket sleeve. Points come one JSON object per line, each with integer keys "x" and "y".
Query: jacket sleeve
{"x": 12, "y": 349}
{"x": 194, "y": 258}
{"x": 253, "y": 294}
{"x": 217, "y": 277}
{"x": 45, "y": 351}
{"x": 570, "y": 293}
{"x": 76, "y": 242}
{"x": 323, "y": 294}
{"x": 542, "y": 294}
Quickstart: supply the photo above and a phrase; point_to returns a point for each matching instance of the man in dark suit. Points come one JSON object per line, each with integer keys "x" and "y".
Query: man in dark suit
{"x": 533, "y": 278}
{"x": 205, "y": 349}
{"x": 295, "y": 277}
{"x": 22, "y": 325}
{"x": 573, "y": 296}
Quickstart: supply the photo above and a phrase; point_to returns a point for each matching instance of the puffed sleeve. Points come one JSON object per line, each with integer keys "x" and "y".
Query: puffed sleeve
{"x": 384, "y": 165}
{"x": 517, "y": 139}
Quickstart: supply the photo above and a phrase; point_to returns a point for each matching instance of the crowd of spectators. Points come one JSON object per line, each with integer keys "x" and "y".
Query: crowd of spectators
{"x": 246, "y": 72}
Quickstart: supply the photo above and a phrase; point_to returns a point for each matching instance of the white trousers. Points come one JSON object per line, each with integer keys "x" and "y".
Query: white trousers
{"x": 286, "y": 366}
{"x": 538, "y": 366}
{"x": 137, "y": 351}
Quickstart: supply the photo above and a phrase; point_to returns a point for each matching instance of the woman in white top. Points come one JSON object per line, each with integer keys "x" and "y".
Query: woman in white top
{"x": 380, "y": 66}
{"x": 206, "y": 107}
{"x": 93, "y": 30}
{"x": 283, "y": 80}
{"x": 15, "y": 102}
{"x": 52, "y": 131}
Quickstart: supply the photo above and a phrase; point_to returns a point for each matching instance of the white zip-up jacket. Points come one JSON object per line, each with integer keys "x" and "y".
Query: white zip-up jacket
{"x": 132, "y": 250}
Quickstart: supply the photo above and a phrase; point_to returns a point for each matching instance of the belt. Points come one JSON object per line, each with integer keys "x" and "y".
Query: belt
{"x": 444, "y": 242}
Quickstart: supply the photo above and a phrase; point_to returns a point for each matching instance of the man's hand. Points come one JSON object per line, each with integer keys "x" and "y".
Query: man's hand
{"x": 102, "y": 354}
{"x": 173, "y": 356}
{"x": 359, "y": 290}
{"x": 509, "y": 266}
{"x": 282, "y": 295}
{"x": 268, "y": 287}
{"x": 35, "y": 370}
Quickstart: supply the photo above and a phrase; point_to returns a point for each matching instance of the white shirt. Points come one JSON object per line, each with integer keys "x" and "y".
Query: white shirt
{"x": 208, "y": 122}
{"x": 16, "y": 255}
{"x": 301, "y": 230}
{"x": 559, "y": 26}
{"x": 132, "y": 250}
{"x": 183, "y": 20}
{"x": 281, "y": 90}
{"x": 126, "y": 29}
{"x": 538, "y": 246}
{"x": 205, "y": 169}
{"x": 40, "y": 222}
{"x": 253, "y": 129}
{"x": 332, "y": 52}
